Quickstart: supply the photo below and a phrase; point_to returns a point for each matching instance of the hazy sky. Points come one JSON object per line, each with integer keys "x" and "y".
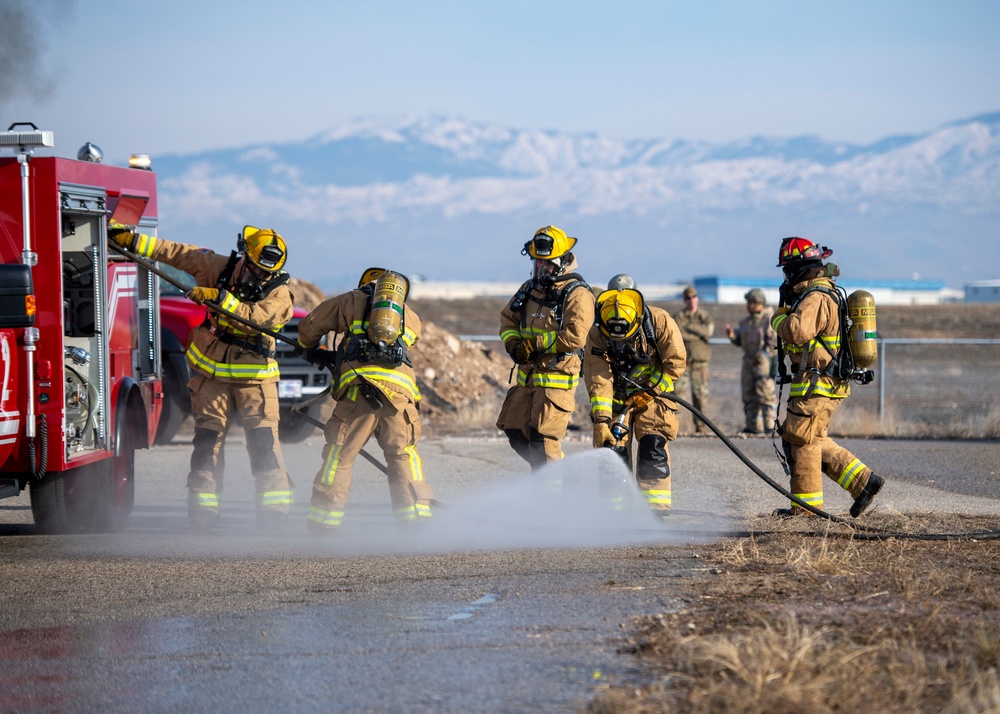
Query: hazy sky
{"x": 181, "y": 76}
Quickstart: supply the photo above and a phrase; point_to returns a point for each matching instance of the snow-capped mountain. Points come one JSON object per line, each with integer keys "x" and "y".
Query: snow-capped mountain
{"x": 452, "y": 199}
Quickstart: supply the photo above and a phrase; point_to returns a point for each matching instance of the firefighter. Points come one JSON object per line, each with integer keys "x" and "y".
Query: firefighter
{"x": 809, "y": 325}
{"x": 235, "y": 373}
{"x": 759, "y": 342}
{"x": 376, "y": 394}
{"x": 634, "y": 354}
{"x": 543, "y": 328}
{"x": 696, "y": 328}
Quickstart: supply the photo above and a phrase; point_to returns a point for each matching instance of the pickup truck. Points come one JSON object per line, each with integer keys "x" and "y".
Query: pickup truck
{"x": 300, "y": 380}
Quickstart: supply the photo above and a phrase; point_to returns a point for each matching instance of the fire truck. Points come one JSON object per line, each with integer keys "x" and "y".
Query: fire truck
{"x": 79, "y": 334}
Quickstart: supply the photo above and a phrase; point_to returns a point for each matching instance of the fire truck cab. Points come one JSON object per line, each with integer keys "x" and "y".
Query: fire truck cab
{"x": 79, "y": 335}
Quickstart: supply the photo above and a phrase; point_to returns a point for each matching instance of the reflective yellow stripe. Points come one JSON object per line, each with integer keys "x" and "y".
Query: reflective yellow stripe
{"x": 415, "y": 464}
{"x": 813, "y": 499}
{"x": 849, "y": 474}
{"x": 600, "y": 404}
{"x": 386, "y": 375}
{"x": 327, "y": 519}
{"x": 145, "y": 245}
{"x": 230, "y": 370}
{"x": 230, "y": 302}
{"x": 206, "y": 500}
{"x": 331, "y": 463}
{"x": 657, "y": 497}
{"x": 274, "y": 498}
{"x": 802, "y": 389}
{"x": 548, "y": 380}
{"x": 777, "y": 320}
{"x": 423, "y": 510}
{"x": 509, "y": 335}
{"x": 407, "y": 513}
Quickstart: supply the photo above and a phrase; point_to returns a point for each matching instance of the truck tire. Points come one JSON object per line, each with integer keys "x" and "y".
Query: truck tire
{"x": 176, "y": 403}
{"x": 57, "y": 502}
{"x": 111, "y": 488}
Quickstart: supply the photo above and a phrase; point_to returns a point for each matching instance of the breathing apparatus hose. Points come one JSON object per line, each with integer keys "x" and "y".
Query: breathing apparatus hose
{"x": 860, "y": 531}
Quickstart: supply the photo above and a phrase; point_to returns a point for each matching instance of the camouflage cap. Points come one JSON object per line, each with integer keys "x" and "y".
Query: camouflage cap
{"x": 756, "y": 295}
{"x": 689, "y": 291}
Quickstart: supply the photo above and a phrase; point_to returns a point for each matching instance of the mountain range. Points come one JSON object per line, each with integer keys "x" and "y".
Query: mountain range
{"x": 447, "y": 199}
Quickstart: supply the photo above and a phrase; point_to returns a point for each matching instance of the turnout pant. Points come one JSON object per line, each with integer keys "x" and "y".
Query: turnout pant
{"x": 535, "y": 420}
{"x": 396, "y": 428}
{"x": 811, "y": 452}
{"x": 215, "y": 404}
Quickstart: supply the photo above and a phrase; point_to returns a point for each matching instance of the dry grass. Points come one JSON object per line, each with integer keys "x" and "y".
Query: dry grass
{"x": 824, "y": 623}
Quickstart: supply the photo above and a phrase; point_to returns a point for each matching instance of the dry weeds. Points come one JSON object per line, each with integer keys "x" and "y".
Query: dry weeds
{"x": 819, "y": 622}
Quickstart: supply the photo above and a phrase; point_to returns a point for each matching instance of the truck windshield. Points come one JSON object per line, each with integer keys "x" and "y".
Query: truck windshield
{"x": 178, "y": 275}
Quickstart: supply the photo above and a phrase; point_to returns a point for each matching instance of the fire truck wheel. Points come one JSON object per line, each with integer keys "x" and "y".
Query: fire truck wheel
{"x": 112, "y": 487}
{"x": 58, "y": 500}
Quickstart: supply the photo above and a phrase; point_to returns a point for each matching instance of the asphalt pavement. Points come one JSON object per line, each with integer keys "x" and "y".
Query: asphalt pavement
{"x": 514, "y": 598}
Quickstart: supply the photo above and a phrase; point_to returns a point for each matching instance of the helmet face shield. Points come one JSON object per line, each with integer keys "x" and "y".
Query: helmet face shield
{"x": 548, "y": 243}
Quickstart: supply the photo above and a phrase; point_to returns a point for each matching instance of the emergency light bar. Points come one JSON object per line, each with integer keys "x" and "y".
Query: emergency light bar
{"x": 26, "y": 139}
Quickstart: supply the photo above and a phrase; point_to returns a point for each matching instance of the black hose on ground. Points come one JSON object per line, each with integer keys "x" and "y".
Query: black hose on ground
{"x": 860, "y": 531}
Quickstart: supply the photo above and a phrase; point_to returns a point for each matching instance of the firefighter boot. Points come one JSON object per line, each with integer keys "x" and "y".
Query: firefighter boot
{"x": 867, "y": 495}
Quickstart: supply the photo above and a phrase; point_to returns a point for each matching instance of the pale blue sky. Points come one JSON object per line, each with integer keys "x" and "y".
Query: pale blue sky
{"x": 181, "y": 76}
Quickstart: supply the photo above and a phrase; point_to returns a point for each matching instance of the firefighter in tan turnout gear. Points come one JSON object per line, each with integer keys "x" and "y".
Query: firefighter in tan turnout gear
{"x": 808, "y": 323}
{"x": 634, "y": 354}
{"x": 543, "y": 328}
{"x": 376, "y": 394}
{"x": 235, "y": 373}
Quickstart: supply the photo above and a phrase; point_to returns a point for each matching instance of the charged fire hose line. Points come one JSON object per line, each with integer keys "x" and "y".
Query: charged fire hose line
{"x": 860, "y": 531}
{"x": 148, "y": 265}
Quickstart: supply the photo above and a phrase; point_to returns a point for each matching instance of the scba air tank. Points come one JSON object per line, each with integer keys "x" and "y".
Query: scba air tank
{"x": 863, "y": 336}
{"x": 385, "y": 323}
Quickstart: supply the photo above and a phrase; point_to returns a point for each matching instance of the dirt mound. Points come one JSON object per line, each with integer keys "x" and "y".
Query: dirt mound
{"x": 305, "y": 294}
{"x": 457, "y": 376}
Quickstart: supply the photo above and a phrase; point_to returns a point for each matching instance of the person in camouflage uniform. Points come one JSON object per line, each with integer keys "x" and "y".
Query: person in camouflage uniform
{"x": 696, "y": 328}
{"x": 759, "y": 343}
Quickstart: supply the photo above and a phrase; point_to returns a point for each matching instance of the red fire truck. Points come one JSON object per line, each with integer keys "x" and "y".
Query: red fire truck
{"x": 79, "y": 335}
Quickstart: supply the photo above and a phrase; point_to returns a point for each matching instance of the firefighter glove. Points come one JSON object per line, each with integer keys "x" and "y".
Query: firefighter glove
{"x": 203, "y": 295}
{"x": 521, "y": 352}
{"x": 781, "y": 311}
{"x": 121, "y": 235}
{"x": 602, "y": 435}
{"x": 319, "y": 357}
{"x": 638, "y": 400}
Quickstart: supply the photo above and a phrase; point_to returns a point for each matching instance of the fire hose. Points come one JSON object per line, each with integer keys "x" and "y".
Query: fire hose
{"x": 860, "y": 531}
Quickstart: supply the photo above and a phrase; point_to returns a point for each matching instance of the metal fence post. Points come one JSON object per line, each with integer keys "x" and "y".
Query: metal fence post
{"x": 881, "y": 379}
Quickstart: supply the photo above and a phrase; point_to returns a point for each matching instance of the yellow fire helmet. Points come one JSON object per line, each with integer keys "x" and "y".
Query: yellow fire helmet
{"x": 263, "y": 247}
{"x": 549, "y": 243}
{"x": 369, "y": 275}
{"x": 619, "y": 313}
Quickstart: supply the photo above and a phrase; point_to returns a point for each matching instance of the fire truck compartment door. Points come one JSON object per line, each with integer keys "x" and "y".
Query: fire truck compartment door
{"x": 127, "y": 209}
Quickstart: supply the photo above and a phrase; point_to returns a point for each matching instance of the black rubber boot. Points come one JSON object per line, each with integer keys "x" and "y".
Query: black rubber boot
{"x": 864, "y": 500}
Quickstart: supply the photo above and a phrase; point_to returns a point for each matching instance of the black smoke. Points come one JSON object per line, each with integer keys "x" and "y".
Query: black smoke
{"x": 27, "y": 29}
